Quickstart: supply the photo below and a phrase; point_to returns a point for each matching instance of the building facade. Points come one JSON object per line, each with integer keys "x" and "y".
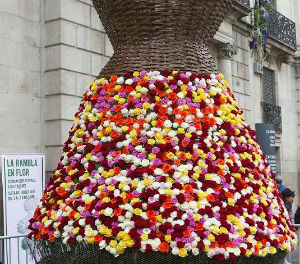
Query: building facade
{"x": 50, "y": 50}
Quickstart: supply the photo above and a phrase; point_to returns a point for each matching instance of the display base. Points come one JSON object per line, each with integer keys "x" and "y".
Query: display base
{"x": 93, "y": 255}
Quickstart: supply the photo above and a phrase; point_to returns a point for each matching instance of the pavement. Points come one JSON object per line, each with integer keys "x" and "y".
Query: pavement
{"x": 294, "y": 257}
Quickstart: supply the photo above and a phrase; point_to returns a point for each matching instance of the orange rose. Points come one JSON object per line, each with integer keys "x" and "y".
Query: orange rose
{"x": 160, "y": 123}
{"x": 184, "y": 143}
{"x": 163, "y": 247}
{"x": 187, "y": 233}
{"x": 117, "y": 170}
{"x": 51, "y": 238}
{"x": 71, "y": 215}
{"x": 210, "y": 198}
{"x": 199, "y": 227}
{"x": 113, "y": 78}
{"x": 182, "y": 156}
{"x": 229, "y": 195}
{"x": 118, "y": 108}
{"x": 151, "y": 214}
{"x": 188, "y": 188}
{"x": 167, "y": 205}
{"x": 173, "y": 96}
{"x": 135, "y": 142}
{"x": 167, "y": 167}
{"x": 114, "y": 134}
{"x": 98, "y": 239}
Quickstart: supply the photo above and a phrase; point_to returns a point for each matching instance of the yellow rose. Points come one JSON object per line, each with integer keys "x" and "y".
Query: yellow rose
{"x": 182, "y": 252}
{"x": 113, "y": 243}
{"x": 211, "y": 238}
{"x": 120, "y": 250}
{"x": 89, "y": 232}
{"x": 144, "y": 237}
{"x": 90, "y": 240}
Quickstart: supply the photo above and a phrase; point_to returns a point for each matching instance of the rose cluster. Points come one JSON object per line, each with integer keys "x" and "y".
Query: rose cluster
{"x": 163, "y": 161}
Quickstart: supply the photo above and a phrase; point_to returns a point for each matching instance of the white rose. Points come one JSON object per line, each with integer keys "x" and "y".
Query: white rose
{"x": 172, "y": 133}
{"x": 57, "y": 234}
{"x": 79, "y": 238}
{"x": 136, "y": 161}
{"x": 193, "y": 205}
{"x": 129, "y": 82}
{"x": 176, "y": 191}
{"x": 211, "y": 253}
{"x": 236, "y": 251}
{"x": 168, "y": 123}
{"x": 175, "y": 250}
{"x": 185, "y": 125}
{"x": 146, "y": 126}
{"x": 206, "y": 242}
{"x": 156, "y": 242}
{"x": 152, "y": 86}
{"x": 102, "y": 244}
{"x": 121, "y": 218}
{"x": 144, "y": 90}
{"x": 156, "y": 185}
{"x": 117, "y": 193}
{"x": 120, "y": 80}
{"x": 128, "y": 215}
{"x": 195, "y": 251}
{"x": 47, "y": 223}
{"x": 158, "y": 171}
{"x": 108, "y": 212}
{"x": 145, "y": 162}
{"x": 184, "y": 216}
{"x": 175, "y": 125}
{"x": 81, "y": 222}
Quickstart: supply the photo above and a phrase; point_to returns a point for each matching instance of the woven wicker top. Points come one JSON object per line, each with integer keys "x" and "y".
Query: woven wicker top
{"x": 160, "y": 34}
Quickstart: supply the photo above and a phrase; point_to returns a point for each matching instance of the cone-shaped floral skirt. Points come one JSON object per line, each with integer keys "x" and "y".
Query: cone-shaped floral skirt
{"x": 161, "y": 167}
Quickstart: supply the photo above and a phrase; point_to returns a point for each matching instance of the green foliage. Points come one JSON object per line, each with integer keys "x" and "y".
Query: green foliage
{"x": 261, "y": 13}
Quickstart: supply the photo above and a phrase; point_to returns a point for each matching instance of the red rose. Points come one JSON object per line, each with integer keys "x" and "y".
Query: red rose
{"x": 71, "y": 240}
{"x": 166, "y": 72}
{"x": 128, "y": 75}
{"x": 200, "y": 245}
{"x": 148, "y": 248}
{"x": 232, "y": 257}
{"x": 180, "y": 244}
{"x": 193, "y": 77}
{"x": 220, "y": 258}
{"x": 137, "y": 244}
{"x": 243, "y": 252}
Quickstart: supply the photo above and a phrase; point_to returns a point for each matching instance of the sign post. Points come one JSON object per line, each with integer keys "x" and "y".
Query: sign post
{"x": 265, "y": 135}
{"x": 23, "y": 177}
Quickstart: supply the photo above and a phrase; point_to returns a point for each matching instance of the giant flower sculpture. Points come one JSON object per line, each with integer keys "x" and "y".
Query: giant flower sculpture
{"x": 160, "y": 167}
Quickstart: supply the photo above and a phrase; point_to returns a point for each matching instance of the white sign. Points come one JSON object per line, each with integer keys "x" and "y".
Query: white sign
{"x": 23, "y": 177}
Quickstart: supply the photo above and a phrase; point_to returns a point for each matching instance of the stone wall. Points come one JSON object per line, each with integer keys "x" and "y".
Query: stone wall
{"x": 21, "y": 102}
{"x": 297, "y": 76}
{"x": 76, "y": 48}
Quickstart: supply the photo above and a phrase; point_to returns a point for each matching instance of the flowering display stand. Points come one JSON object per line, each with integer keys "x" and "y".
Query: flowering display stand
{"x": 160, "y": 166}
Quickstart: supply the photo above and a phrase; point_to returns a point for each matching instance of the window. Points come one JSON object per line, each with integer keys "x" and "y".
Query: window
{"x": 271, "y": 111}
{"x": 269, "y": 95}
{"x": 278, "y": 158}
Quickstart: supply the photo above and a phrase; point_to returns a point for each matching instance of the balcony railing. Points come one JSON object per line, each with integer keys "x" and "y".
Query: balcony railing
{"x": 282, "y": 29}
{"x": 272, "y": 115}
{"x": 245, "y": 3}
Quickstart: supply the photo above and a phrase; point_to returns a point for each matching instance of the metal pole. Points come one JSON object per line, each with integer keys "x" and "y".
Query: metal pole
{"x": 27, "y": 255}
{"x": 18, "y": 241}
{"x": 9, "y": 257}
{"x": 298, "y": 234}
